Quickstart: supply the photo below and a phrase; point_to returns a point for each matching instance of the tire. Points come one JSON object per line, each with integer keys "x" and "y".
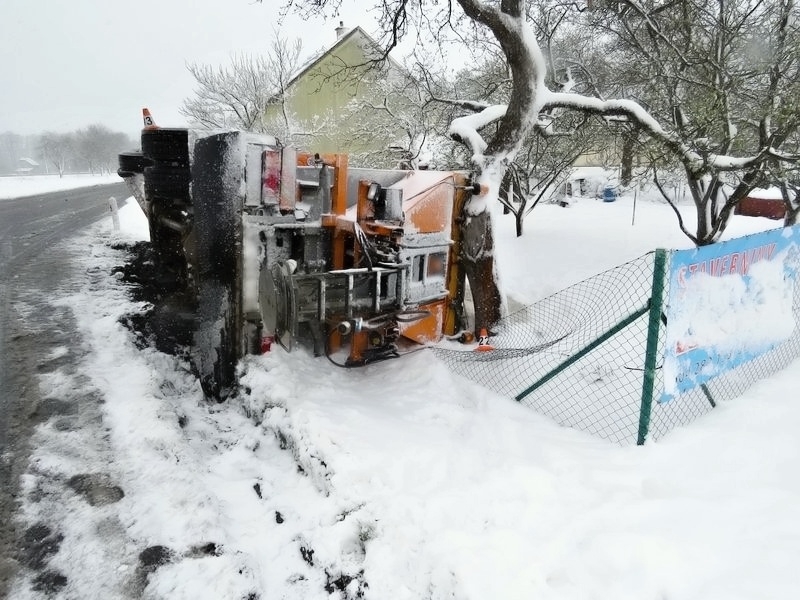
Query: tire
{"x": 133, "y": 162}
{"x": 169, "y": 147}
{"x": 167, "y": 182}
{"x": 166, "y": 242}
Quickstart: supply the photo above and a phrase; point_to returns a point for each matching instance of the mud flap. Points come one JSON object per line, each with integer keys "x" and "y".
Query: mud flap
{"x": 216, "y": 191}
{"x": 214, "y": 353}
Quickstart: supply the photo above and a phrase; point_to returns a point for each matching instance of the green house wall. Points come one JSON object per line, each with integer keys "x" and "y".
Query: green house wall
{"x": 320, "y": 99}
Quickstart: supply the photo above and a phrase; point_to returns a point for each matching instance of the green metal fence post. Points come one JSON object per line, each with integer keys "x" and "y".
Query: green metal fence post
{"x": 607, "y": 335}
{"x": 651, "y": 353}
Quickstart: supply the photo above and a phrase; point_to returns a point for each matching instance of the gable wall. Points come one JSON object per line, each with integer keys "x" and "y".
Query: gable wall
{"x": 325, "y": 93}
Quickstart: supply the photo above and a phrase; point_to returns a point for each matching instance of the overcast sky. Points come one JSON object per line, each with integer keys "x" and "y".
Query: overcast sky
{"x": 67, "y": 64}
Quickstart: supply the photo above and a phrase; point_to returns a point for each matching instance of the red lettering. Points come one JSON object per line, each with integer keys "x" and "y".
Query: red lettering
{"x": 734, "y": 263}
{"x": 682, "y": 277}
{"x": 771, "y": 250}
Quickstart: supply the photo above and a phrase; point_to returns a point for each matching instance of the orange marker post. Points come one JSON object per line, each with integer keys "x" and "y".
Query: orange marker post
{"x": 483, "y": 342}
{"x": 149, "y": 123}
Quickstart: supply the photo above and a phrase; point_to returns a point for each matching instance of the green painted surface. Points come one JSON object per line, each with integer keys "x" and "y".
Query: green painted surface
{"x": 651, "y": 353}
{"x": 325, "y": 102}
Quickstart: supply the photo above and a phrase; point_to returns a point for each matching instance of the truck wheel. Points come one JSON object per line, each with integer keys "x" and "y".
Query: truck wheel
{"x": 167, "y": 182}
{"x": 170, "y": 147}
{"x": 132, "y": 163}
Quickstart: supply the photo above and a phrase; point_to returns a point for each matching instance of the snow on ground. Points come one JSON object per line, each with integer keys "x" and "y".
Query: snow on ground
{"x": 402, "y": 481}
{"x": 564, "y": 245}
{"x": 29, "y": 185}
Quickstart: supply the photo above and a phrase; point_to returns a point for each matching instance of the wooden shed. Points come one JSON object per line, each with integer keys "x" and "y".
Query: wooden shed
{"x": 762, "y": 203}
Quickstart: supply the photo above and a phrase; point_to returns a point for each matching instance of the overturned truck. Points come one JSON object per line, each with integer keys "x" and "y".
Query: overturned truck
{"x": 273, "y": 245}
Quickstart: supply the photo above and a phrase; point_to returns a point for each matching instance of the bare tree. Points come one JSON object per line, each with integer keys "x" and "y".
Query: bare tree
{"x": 98, "y": 147}
{"x": 11, "y": 150}
{"x": 546, "y": 157}
{"x": 720, "y": 78}
{"x": 543, "y": 163}
{"x": 396, "y": 108}
{"x": 237, "y": 95}
{"x": 57, "y": 149}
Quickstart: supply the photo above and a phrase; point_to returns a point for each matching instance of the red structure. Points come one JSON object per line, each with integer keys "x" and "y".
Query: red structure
{"x": 762, "y": 203}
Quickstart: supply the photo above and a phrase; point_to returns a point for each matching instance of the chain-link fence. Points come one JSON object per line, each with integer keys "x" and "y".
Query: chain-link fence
{"x": 590, "y": 357}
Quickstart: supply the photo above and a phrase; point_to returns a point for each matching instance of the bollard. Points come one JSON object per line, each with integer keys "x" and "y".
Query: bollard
{"x": 112, "y": 206}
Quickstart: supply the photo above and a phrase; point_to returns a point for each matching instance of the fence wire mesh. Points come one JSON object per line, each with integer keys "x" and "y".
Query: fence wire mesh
{"x": 578, "y": 357}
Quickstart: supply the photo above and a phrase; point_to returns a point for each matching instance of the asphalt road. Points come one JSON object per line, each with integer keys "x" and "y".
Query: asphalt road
{"x": 30, "y": 269}
{"x": 28, "y": 226}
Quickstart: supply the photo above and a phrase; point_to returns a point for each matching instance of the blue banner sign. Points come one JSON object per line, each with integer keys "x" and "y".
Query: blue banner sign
{"x": 728, "y": 303}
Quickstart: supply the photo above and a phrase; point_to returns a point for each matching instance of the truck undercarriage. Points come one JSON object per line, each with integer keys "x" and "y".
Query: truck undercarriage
{"x": 273, "y": 245}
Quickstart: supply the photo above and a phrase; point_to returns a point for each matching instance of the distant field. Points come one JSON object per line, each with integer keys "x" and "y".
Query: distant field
{"x": 29, "y": 185}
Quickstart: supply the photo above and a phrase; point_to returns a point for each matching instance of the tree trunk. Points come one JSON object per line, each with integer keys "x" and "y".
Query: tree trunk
{"x": 524, "y": 59}
{"x": 702, "y": 224}
{"x": 626, "y": 171}
{"x": 477, "y": 258}
{"x": 792, "y": 205}
{"x": 702, "y": 229}
{"x": 506, "y": 192}
{"x": 791, "y": 216}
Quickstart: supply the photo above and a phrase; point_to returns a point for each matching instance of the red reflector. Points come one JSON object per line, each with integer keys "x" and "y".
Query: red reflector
{"x": 270, "y": 176}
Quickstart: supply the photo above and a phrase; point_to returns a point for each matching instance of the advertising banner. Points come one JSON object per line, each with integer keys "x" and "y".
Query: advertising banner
{"x": 728, "y": 303}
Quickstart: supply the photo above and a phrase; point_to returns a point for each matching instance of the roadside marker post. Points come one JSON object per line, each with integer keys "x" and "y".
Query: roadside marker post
{"x": 112, "y": 206}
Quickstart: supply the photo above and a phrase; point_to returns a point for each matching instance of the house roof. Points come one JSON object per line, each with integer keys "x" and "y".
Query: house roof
{"x": 29, "y": 161}
{"x": 315, "y": 59}
{"x": 770, "y": 193}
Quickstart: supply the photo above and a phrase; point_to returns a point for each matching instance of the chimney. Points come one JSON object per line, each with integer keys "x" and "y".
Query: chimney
{"x": 340, "y": 30}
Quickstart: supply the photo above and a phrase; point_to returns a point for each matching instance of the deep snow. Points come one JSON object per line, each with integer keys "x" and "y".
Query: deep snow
{"x": 401, "y": 480}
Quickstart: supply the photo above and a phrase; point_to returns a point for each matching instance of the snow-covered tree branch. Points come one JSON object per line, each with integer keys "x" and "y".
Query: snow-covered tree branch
{"x": 237, "y": 95}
